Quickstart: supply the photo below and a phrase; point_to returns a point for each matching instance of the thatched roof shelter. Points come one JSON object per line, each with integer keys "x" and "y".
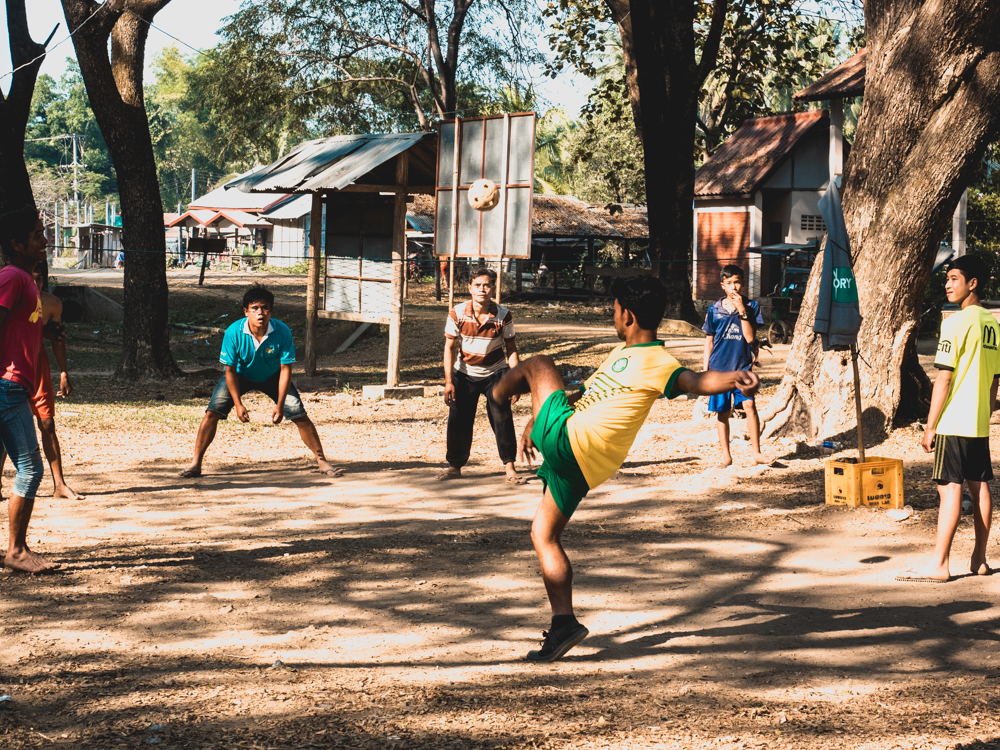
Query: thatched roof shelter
{"x": 562, "y": 216}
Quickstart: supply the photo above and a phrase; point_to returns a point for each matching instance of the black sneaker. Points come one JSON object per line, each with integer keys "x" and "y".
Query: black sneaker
{"x": 558, "y": 642}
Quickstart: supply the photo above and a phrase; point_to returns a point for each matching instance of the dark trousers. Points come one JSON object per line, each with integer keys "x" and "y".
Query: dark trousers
{"x": 462, "y": 416}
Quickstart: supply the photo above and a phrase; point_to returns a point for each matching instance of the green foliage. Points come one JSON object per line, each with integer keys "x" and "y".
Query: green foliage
{"x": 184, "y": 129}
{"x": 58, "y": 109}
{"x": 308, "y": 68}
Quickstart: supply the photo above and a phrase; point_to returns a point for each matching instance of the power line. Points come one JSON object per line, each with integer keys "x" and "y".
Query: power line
{"x": 46, "y": 51}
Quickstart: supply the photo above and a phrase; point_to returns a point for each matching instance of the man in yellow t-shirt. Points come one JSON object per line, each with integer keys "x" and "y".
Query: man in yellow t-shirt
{"x": 958, "y": 424}
{"x": 585, "y": 437}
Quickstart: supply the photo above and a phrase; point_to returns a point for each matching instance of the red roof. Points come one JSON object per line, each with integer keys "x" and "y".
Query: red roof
{"x": 753, "y": 152}
{"x": 847, "y": 79}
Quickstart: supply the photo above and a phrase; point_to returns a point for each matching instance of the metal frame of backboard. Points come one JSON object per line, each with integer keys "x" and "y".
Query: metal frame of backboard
{"x": 500, "y": 148}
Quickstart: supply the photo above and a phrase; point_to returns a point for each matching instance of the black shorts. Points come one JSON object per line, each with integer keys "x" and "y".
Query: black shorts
{"x": 958, "y": 459}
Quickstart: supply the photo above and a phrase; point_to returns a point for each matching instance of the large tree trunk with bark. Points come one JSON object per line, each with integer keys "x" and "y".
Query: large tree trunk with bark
{"x": 663, "y": 42}
{"x": 115, "y": 89}
{"x": 660, "y": 69}
{"x": 27, "y": 57}
{"x": 932, "y": 105}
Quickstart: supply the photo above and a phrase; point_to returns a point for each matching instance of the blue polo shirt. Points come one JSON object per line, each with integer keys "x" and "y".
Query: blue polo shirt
{"x": 257, "y": 361}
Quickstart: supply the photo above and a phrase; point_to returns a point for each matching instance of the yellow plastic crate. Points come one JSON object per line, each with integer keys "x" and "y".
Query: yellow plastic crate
{"x": 878, "y": 481}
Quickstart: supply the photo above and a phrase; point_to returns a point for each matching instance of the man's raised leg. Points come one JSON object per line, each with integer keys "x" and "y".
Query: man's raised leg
{"x": 307, "y": 431}
{"x": 206, "y": 434}
{"x": 536, "y": 375}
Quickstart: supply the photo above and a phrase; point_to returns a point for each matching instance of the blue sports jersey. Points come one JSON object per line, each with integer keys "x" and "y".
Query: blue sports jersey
{"x": 730, "y": 350}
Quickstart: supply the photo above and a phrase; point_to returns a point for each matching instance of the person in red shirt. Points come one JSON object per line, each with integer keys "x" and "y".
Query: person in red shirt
{"x": 22, "y": 241}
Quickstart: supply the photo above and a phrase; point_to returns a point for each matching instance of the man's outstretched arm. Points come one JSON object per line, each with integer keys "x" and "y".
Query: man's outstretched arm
{"x": 711, "y": 382}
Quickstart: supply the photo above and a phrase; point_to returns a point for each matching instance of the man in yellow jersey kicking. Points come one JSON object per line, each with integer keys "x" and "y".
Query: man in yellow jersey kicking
{"x": 586, "y": 437}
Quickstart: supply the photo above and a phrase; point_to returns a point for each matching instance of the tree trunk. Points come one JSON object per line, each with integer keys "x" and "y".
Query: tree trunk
{"x": 663, "y": 40}
{"x": 115, "y": 89}
{"x": 622, "y": 16}
{"x": 932, "y": 105}
{"x": 27, "y": 57}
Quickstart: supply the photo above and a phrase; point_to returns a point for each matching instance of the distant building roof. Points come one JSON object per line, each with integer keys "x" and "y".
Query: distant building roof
{"x": 334, "y": 163}
{"x": 847, "y": 79}
{"x": 291, "y": 207}
{"x": 753, "y": 152}
{"x": 194, "y": 218}
{"x": 241, "y": 219}
{"x": 556, "y": 216}
{"x": 221, "y": 199}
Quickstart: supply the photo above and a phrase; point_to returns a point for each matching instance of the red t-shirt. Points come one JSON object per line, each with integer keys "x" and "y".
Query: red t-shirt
{"x": 21, "y": 333}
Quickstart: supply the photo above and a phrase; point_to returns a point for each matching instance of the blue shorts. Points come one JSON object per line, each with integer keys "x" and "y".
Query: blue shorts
{"x": 726, "y": 401}
{"x": 17, "y": 433}
{"x": 222, "y": 400}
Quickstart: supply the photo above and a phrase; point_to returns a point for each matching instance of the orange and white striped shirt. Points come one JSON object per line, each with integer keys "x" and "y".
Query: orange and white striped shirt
{"x": 480, "y": 347}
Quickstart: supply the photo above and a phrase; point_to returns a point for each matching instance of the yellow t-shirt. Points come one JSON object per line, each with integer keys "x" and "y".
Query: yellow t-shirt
{"x": 968, "y": 347}
{"x": 615, "y": 403}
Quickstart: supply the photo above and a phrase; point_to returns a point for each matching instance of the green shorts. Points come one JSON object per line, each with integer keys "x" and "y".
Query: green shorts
{"x": 559, "y": 472}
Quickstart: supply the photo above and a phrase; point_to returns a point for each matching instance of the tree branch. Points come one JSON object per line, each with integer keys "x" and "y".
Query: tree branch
{"x": 710, "y": 49}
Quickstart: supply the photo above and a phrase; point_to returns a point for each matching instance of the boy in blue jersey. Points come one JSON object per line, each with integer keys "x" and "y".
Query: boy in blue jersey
{"x": 730, "y": 332}
{"x": 258, "y": 353}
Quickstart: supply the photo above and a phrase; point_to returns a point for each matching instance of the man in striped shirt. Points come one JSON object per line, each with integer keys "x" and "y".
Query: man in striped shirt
{"x": 474, "y": 339}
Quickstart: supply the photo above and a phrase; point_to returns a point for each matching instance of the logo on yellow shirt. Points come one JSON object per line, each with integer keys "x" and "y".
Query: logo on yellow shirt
{"x": 989, "y": 337}
{"x": 620, "y": 364}
{"x": 37, "y": 314}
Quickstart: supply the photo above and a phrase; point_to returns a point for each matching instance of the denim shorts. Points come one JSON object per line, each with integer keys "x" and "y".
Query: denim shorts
{"x": 222, "y": 400}
{"x": 17, "y": 433}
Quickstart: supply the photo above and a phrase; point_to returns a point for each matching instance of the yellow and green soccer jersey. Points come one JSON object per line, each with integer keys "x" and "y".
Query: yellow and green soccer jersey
{"x": 968, "y": 347}
{"x": 615, "y": 403}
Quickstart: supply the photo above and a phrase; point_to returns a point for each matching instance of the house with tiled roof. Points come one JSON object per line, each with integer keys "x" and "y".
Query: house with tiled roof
{"x": 762, "y": 187}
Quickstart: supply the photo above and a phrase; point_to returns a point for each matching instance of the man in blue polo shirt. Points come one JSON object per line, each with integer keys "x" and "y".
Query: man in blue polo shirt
{"x": 258, "y": 354}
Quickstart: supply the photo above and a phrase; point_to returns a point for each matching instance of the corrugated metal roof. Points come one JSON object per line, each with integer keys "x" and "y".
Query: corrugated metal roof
{"x": 847, "y": 79}
{"x": 221, "y": 199}
{"x": 328, "y": 163}
{"x": 295, "y": 207}
{"x": 753, "y": 152}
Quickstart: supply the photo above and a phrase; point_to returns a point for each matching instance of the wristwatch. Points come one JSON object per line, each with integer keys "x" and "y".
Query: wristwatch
{"x": 743, "y": 315}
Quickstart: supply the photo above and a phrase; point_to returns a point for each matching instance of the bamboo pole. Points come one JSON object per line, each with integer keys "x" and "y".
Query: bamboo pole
{"x": 454, "y": 215}
{"x": 399, "y": 268}
{"x": 312, "y": 281}
{"x": 857, "y": 403}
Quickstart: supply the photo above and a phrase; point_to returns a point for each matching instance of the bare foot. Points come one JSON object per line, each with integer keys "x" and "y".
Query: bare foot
{"x": 725, "y": 463}
{"x": 191, "y": 472}
{"x": 28, "y": 562}
{"x": 760, "y": 458}
{"x": 66, "y": 492}
{"x": 324, "y": 467}
{"x": 980, "y": 568}
{"x": 514, "y": 478}
{"x": 928, "y": 575}
{"x": 452, "y": 472}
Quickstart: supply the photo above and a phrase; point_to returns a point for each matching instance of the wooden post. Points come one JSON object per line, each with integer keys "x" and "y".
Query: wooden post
{"x": 592, "y": 257}
{"x": 399, "y": 269}
{"x": 454, "y": 215}
{"x": 312, "y": 281}
{"x": 204, "y": 262}
{"x": 437, "y": 276}
{"x": 857, "y": 404}
{"x": 517, "y": 276}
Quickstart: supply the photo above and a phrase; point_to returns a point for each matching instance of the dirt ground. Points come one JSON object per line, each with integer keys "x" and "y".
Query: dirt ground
{"x": 266, "y": 606}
